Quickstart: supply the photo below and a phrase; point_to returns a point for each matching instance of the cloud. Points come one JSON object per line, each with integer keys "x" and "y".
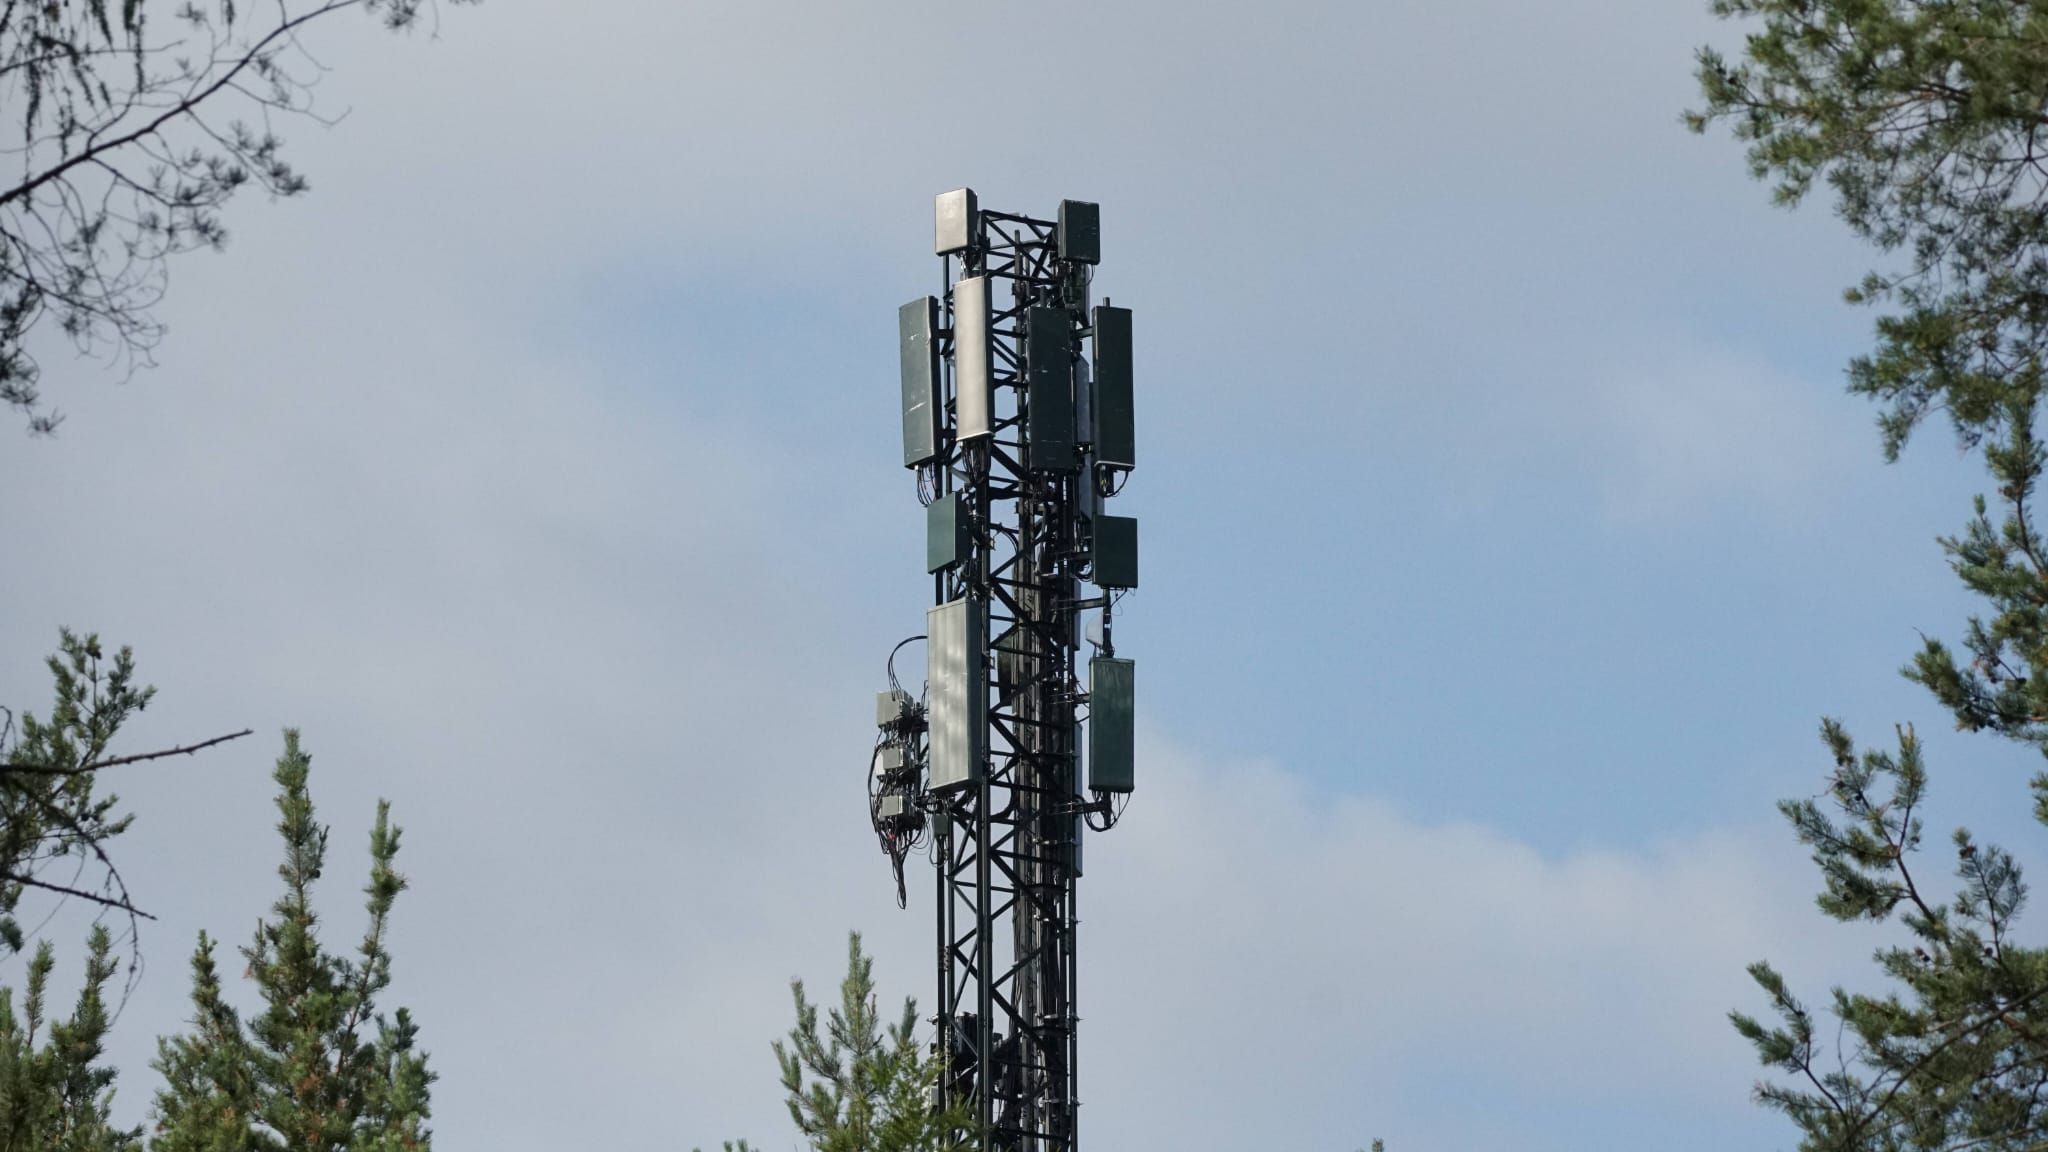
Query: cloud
{"x": 1291, "y": 968}
{"x": 537, "y": 465}
{"x": 622, "y": 724}
{"x": 1689, "y": 428}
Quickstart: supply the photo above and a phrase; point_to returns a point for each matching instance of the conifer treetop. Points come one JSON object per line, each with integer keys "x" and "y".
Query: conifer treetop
{"x": 320, "y": 1068}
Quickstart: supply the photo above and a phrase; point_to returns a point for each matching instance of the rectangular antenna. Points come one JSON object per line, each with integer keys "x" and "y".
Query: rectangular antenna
{"x": 1116, "y": 552}
{"x": 916, "y": 322}
{"x": 956, "y": 221}
{"x": 956, "y": 683}
{"x": 1011, "y": 658}
{"x": 1049, "y": 355}
{"x": 1112, "y": 726}
{"x": 1080, "y": 229}
{"x": 1115, "y": 438}
{"x": 945, "y": 533}
{"x": 973, "y": 360}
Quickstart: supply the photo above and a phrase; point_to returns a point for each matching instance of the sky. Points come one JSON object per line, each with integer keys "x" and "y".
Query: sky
{"x": 1507, "y": 531}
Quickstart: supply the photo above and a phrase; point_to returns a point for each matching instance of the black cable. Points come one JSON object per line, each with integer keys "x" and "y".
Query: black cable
{"x": 891, "y": 667}
{"x": 1111, "y": 814}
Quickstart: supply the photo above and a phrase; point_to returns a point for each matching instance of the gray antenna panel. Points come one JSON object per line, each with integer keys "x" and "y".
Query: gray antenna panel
{"x": 1115, "y": 436}
{"x": 1049, "y": 354}
{"x": 915, "y": 324}
{"x": 946, "y": 540}
{"x": 973, "y": 360}
{"x": 957, "y": 684}
{"x": 956, "y": 222}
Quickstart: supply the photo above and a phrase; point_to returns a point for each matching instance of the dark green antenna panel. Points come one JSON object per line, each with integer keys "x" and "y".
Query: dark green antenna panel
{"x": 1112, "y": 725}
{"x": 1080, "y": 231}
{"x": 1116, "y": 552}
{"x": 1049, "y": 353}
{"x": 1116, "y": 443}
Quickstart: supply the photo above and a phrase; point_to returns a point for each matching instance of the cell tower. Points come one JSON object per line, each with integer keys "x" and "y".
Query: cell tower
{"x": 1018, "y": 437}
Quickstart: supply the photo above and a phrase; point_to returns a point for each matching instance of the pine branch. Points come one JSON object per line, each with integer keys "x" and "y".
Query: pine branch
{"x": 120, "y": 903}
{"x": 13, "y": 767}
{"x": 1905, "y": 1077}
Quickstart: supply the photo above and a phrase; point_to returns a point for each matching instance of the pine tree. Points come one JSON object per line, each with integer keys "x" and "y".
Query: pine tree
{"x": 1925, "y": 119}
{"x": 859, "y": 1085}
{"x": 1955, "y": 1054}
{"x": 319, "y": 1069}
{"x": 55, "y": 1094}
{"x": 54, "y": 1091}
{"x": 50, "y": 810}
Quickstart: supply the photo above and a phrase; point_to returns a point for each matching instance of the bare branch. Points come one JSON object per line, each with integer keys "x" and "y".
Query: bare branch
{"x": 118, "y": 903}
{"x": 12, "y": 768}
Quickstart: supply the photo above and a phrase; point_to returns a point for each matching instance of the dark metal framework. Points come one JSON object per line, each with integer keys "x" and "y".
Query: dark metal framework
{"x": 1007, "y": 848}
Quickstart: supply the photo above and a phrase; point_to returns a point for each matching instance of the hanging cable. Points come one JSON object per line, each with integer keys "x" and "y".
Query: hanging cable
{"x": 891, "y": 667}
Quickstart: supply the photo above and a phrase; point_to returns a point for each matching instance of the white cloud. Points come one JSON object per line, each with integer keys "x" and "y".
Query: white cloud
{"x": 621, "y": 723}
{"x": 1276, "y": 961}
{"x": 608, "y": 650}
{"x": 1688, "y": 428}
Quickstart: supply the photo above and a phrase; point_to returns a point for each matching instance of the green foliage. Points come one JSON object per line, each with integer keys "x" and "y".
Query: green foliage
{"x": 55, "y": 1095}
{"x": 854, "y": 1084}
{"x": 49, "y": 809}
{"x": 320, "y": 1069}
{"x": 2001, "y": 688}
{"x": 1925, "y": 118}
{"x": 1955, "y": 1057}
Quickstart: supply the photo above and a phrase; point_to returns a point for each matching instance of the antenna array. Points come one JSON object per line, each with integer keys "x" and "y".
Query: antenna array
{"x": 1017, "y": 422}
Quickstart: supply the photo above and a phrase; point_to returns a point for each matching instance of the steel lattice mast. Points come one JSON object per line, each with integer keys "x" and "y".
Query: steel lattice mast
{"x": 1017, "y": 439}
